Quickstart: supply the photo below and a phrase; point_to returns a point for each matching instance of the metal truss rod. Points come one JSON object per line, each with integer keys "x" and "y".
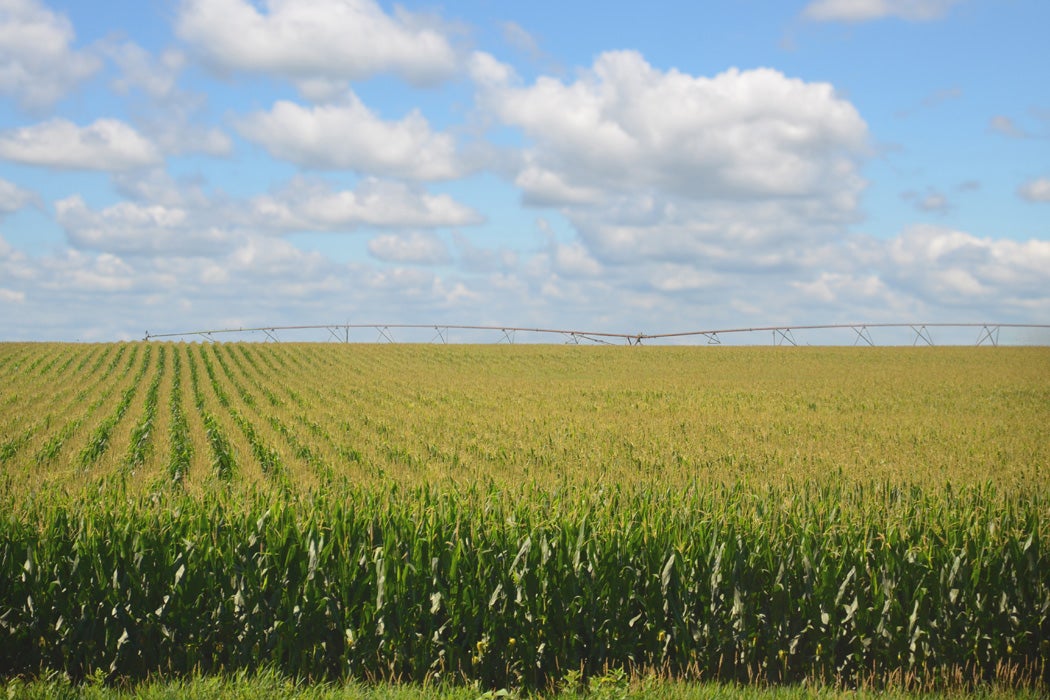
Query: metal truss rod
{"x": 576, "y": 336}
{"x": 862, "y": 334}
{"x": 921, "y": 333}
{"x": 990, "y": 334}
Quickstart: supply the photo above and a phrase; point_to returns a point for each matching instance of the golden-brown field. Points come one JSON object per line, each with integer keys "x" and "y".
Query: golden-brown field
{"x": 154, "y": 415}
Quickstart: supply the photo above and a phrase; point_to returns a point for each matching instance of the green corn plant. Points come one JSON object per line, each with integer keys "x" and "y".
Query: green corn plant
{"x": 224, "y": 464}
{"x": 520, "y": 587}
{"x": 141, "y": 435}
{"x": 249, "y": 368}
{"x": 10, "y": 447}
{"x": 56, "y": 440}
{"x": 269, "y": 458}
{"x": 181, "y": 450}
{"x": 98, "y": 441}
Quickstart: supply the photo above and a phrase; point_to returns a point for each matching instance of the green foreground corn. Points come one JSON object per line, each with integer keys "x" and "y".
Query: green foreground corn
{"x": 843, "y": 582}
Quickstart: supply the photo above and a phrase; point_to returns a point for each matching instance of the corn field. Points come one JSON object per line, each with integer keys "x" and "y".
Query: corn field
{"x": 513, "y": 515}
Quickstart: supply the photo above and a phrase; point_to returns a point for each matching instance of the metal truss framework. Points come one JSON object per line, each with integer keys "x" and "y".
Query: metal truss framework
{"x": 988, "y": 333}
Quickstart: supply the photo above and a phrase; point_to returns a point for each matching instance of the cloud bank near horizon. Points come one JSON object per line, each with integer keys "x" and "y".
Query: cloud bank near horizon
{"x": 411, "y": 176}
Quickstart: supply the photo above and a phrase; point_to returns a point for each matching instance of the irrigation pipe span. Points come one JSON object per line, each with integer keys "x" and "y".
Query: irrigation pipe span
{"x": 988, "y": 333}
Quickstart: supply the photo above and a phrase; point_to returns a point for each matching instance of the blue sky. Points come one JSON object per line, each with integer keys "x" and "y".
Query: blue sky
{"x": 170, "y": 165}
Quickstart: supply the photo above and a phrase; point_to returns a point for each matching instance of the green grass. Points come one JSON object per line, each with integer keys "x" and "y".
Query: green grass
{"x": 268, "y": 685}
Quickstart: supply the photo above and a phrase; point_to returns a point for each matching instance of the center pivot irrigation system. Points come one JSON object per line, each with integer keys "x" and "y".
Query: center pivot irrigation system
{"x": 987, "y": 333}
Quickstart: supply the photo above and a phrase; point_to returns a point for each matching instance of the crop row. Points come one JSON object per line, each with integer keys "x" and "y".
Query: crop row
{"x": 141, "y": 443}
{"x": 828, "y": 581}
{"x": 98, "y": 442}
{"x": 31, "y": 405}
{"x": 179, "y": 431}
{"x": 60, "y": 414}
{"x": 223, "y": 462}
{"x": 251, "y": 371}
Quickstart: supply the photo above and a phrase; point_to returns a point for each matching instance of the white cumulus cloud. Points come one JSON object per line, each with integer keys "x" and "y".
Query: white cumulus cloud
{"x": 105, "y": 144}
{"x": 573, "y": 260}
{"x": 867, "y": 10}
{"x": 11, "y": 296}
{"x": 932, "y": 201}
{"x": 180, "y": 136}
{"x": 1037, "y": 190}
{"x": 13, "y": 197}
{"x": 417, "y": 247}
{"x": 1006, "y": 126}
{"x": 336, "y": 39}
{"x": 38, "y": 65}
{"x": 307, "y": 205}
{"x": 625, "y": 124}
{"x": 130, "y": 228}
{"x": 664, "y": 165}
{"x": 957, "y": 269}
{"x": 542, "y": 187}
{"x": 349, "y": 136}
{"x": 157, "y": 76}
{"x": 162, "y": 217}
